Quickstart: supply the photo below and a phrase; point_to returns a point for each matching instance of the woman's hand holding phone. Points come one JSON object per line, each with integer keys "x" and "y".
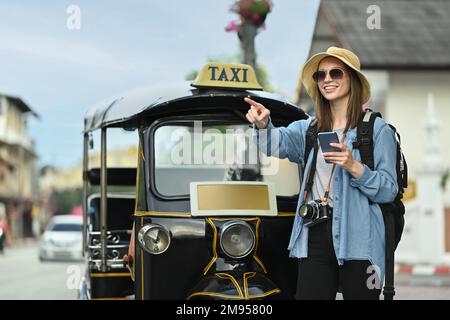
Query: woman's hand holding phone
{"x": 325, "y": 140}
{"x": 333, "y": 151}
{"x": 257, "y": 114}
{"x": 344, "y": 159}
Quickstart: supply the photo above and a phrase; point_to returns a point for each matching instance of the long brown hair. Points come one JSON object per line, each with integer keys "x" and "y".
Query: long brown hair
{"x": 354, "y": 108}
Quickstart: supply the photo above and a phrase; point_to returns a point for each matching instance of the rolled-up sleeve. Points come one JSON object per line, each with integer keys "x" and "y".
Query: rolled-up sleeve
{"x": 380, "y": 185}
{"x": 282, "y": 142}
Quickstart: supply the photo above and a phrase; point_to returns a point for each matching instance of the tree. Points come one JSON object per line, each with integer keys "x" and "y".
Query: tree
{"x": 63, "y": 201}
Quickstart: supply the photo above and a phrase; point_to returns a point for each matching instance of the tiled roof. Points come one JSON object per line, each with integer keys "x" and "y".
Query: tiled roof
{"x": 413, "y": 34}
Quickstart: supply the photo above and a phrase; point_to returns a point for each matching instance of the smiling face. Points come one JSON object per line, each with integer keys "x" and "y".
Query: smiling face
{"x": 333, "y": 88}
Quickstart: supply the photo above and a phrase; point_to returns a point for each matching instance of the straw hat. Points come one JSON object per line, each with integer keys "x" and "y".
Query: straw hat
{"x": 347, "y": 57}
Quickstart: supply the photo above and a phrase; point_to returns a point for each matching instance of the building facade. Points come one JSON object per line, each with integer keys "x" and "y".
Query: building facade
{"x": 18, "y": 201}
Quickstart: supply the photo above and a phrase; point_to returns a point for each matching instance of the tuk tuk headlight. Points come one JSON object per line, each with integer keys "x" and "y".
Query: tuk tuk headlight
{"x": 237, "y": 239}
{"x": 154, "y": 238}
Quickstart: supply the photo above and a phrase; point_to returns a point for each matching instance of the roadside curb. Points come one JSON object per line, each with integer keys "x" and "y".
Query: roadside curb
{"x": 422, "y": 269}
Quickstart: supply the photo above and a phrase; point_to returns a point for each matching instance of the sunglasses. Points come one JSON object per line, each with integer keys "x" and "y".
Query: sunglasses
{"x": 335, "y": 74}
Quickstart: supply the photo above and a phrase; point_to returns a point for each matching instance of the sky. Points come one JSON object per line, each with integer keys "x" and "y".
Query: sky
{"x": 60, "y": 72}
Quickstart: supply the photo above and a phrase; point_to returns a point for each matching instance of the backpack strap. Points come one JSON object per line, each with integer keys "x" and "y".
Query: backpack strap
{"x": 364, "y": 142}
{"x": 364, "y": 137}
{"x": 389, "y": 224}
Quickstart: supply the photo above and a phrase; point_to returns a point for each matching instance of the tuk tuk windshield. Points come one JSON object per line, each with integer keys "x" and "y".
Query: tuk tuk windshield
{"x": 197, "y": 151}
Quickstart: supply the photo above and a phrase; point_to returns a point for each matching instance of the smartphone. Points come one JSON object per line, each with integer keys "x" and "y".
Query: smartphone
{"x": 325, "y": 138}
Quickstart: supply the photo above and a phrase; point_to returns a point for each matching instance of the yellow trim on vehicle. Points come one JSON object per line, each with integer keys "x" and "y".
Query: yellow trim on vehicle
{"x": 142, "y": 266}
{"x": 214, "y": 258}
{"x": 138, "y": 169}
{"x": 106, "y": 275}
{"x": 258, "y": 223}
{"x": 260, "y": 263}
{"x": 236, "y": 284}
{"x": 265, "y": 294}
{"x": 115, "y": 298}
{"x": 286, "y": 214}
{"x": 141, "y": 149}
{"x": 213, "y": 294}
{"x": 136, "y": 204}
{"x": 246, "y": 296}
{"x": 139, "y": 213}
{"x": 251, "y": 274}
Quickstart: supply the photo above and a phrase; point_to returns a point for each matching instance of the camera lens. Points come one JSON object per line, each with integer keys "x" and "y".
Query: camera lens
{"x": 308, "y": 211}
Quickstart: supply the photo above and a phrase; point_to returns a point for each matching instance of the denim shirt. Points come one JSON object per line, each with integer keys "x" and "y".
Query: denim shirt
{"x": 357, "y": 226}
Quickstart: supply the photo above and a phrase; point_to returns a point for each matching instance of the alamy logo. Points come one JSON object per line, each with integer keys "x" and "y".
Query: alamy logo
{"x": 74, "y": 19}
{"x": 74, "y": 278}
{"x": 222, "y": 149}
{"x": 373, "y": 21}
{"x": 374, "y": 280}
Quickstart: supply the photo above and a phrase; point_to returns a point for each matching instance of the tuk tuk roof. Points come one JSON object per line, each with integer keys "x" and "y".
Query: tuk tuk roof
{"x": 125, "y": 109}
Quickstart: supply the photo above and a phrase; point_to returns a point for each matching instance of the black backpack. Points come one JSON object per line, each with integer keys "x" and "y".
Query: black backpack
{"x": 393, "y": 213}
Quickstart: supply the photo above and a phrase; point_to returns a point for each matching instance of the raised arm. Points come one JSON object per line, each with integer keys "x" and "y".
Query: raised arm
{"x": 279, "y": 142}
{"x": 257, "y": 114}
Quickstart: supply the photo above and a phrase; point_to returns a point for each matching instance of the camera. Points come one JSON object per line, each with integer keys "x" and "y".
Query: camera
{"x": 313, "y": 212}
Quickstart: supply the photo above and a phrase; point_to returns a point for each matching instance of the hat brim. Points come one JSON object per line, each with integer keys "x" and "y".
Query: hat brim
{"x": 311, "y": 66}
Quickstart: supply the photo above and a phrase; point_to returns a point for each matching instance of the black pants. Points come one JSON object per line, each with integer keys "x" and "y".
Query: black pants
{"x": 320, "y": 276}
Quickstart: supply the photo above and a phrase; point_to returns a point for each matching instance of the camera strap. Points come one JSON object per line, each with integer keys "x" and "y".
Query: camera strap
{"x": 312, "y": 172}
{"x": 327, "y": 190}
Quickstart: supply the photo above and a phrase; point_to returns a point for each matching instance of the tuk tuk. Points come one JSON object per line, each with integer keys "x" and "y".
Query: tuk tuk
{"x": 211, "y": 215}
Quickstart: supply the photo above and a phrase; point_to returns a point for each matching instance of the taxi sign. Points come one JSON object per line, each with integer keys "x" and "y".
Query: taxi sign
{"x": 230, "y": 75}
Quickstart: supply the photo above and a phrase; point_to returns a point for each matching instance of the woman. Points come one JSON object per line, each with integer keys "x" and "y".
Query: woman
{"x": 347, "y": 251}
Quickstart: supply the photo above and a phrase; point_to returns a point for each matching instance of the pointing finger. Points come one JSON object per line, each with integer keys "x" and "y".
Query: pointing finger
{"x": 250, "y": 101}
{"x": 253, "y": 103}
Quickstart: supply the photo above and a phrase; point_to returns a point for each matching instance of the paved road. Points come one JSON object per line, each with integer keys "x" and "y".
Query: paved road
{"x": 412, "y": 287}
{"x": 22, "y": 276}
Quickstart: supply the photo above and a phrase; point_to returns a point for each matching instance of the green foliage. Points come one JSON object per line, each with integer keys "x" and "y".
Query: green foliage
{"x": 262, "y": 74}
{"x": 64, "y": 201}
{"x": 191, "y": 76}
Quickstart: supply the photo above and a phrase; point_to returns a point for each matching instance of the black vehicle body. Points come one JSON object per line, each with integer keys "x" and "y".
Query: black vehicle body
{"x": 194, "y": 266}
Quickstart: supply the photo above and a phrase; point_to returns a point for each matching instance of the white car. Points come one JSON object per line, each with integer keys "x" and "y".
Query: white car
{"x": 62, "y": 239}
